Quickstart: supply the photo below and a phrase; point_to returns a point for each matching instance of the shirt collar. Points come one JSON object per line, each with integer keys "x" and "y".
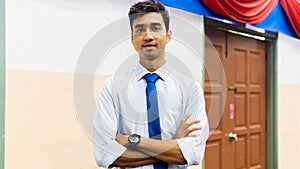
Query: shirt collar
{"x": 162, "y": 71}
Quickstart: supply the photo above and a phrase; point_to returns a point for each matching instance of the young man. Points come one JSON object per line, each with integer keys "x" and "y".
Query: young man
{"x": 157, "y": 118}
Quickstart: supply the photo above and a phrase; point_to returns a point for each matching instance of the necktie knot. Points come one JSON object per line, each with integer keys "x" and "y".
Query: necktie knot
{"x": 151, "y": 77}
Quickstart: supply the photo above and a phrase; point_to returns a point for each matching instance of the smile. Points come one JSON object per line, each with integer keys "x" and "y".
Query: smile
{"x": 149, "y": 46}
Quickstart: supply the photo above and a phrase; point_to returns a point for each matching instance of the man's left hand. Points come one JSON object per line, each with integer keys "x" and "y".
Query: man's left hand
{"x": 186, "y": 129}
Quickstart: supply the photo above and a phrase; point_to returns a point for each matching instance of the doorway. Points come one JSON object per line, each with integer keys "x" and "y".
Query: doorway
{"x": 239, "y": 139}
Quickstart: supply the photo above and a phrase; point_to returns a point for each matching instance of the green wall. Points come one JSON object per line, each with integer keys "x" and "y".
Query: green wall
{"x": 2, "y": 82}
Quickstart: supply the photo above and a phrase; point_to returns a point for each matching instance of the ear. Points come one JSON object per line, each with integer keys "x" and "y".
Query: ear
{"x": 169, "y": 36}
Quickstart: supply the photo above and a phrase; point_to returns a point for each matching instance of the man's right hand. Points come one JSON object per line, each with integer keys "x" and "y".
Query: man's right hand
{"x": 185, "y": 128}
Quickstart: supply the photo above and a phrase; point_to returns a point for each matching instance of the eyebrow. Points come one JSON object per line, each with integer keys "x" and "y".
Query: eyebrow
{"x": 143, "y": 25}
{"x": 156, "y": 24}
{"x": 139, "y": 26}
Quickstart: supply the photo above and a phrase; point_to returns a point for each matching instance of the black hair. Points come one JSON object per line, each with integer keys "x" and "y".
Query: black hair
{"x": 141, "y": 8}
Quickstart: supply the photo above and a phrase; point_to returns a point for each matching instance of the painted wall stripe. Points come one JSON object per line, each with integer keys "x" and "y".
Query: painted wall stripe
{"x": 2, "y": 82}
{"x": 272, "y": 106}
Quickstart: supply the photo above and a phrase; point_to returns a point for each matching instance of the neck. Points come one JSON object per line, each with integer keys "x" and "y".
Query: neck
{"x": 152, "y": 65}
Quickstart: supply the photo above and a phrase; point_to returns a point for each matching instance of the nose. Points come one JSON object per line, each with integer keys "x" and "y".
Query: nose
{"x": 148, "y": 37}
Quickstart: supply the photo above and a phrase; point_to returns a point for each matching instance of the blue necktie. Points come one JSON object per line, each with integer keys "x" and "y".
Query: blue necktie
{"x": 153, "y": 113}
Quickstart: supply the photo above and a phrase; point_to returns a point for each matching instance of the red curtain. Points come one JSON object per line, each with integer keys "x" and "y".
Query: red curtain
{"x": 292, "y": 10}
{"x": 245, "y": 11}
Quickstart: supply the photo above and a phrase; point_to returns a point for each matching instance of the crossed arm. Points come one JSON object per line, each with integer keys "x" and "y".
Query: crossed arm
{"x": 109, "y": 147}
{"x": 149, "y": 151}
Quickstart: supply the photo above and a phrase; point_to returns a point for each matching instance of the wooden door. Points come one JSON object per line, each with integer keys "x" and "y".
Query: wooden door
{"x": 239, "y": 140}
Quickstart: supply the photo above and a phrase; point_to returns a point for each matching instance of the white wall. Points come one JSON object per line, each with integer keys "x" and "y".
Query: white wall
{"x": 288, "y": 102}
{"x": 48, "y": 36}
{"x": 46, "y": 40}
{"x": 289, "y": 60}
{"x": 51, "y": 35}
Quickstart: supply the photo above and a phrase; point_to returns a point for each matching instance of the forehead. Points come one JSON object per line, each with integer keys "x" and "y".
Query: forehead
{"x": 147, "y": 19}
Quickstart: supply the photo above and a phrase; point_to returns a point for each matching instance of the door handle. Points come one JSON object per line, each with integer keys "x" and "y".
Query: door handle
{"x": 232, "y": 88}
{"x": 232, "y": 136}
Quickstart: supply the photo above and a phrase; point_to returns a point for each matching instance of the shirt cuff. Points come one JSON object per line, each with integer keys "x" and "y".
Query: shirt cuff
{"x": 108, "y": 152}
{"x": 192, "y": 150}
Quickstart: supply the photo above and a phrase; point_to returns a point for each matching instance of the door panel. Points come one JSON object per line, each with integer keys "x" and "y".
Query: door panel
{"x": 214, "y": 153}
{"x": 244, "y": 62}
{"x": 240, "y": 151}
{"x": 216, "y": 150}
{"x": 240, "y": 101}
{"x": 249, "y": 58}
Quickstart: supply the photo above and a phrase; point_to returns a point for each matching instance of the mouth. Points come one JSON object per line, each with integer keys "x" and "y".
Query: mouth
{"x": 149, "y": 46}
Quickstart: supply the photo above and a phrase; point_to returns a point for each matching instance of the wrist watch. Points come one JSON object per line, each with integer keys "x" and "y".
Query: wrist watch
{"x": 134, "y": 140}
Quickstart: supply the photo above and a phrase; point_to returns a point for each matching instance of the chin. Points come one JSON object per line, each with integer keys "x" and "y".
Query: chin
{"x": 149, "y": 56}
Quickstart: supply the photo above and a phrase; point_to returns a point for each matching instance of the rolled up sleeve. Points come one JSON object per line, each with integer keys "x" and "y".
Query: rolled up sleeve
{"x": 193, "y": 148}
{"x": 106, "y": 148}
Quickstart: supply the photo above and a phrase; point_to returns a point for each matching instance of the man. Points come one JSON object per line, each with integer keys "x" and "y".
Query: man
{"x": 151, "y": 116}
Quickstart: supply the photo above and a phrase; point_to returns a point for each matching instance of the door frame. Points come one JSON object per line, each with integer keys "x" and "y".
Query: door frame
{"x": 2, "y": 83}
{"x": 271, "y": 85}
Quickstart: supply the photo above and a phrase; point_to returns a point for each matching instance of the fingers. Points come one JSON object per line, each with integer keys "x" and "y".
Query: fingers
{"x": 189, "y": 124}
{"x": 185, "y": 128}
{"x": 188, "y": 115}
{"x": 193, "y": 122}
{"x": 195, "y": 129}
{"x": 185, "y": 118}
{"x": 193, "y": 135}
{"x": 191, "y": 130}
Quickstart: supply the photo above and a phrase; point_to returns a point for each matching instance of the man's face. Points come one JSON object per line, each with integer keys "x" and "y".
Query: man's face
{"x": 149, "y": 36}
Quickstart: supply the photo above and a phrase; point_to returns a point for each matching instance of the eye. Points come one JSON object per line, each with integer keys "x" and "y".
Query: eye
{"x": 140, "y": 30}
{"x": 156, "y": 29}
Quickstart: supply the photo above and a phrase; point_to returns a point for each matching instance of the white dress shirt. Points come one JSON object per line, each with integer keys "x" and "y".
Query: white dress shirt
{"x": 122, "y": 108}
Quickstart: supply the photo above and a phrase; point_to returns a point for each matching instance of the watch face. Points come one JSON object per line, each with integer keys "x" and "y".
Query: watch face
{"x": 134, "y": 139}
